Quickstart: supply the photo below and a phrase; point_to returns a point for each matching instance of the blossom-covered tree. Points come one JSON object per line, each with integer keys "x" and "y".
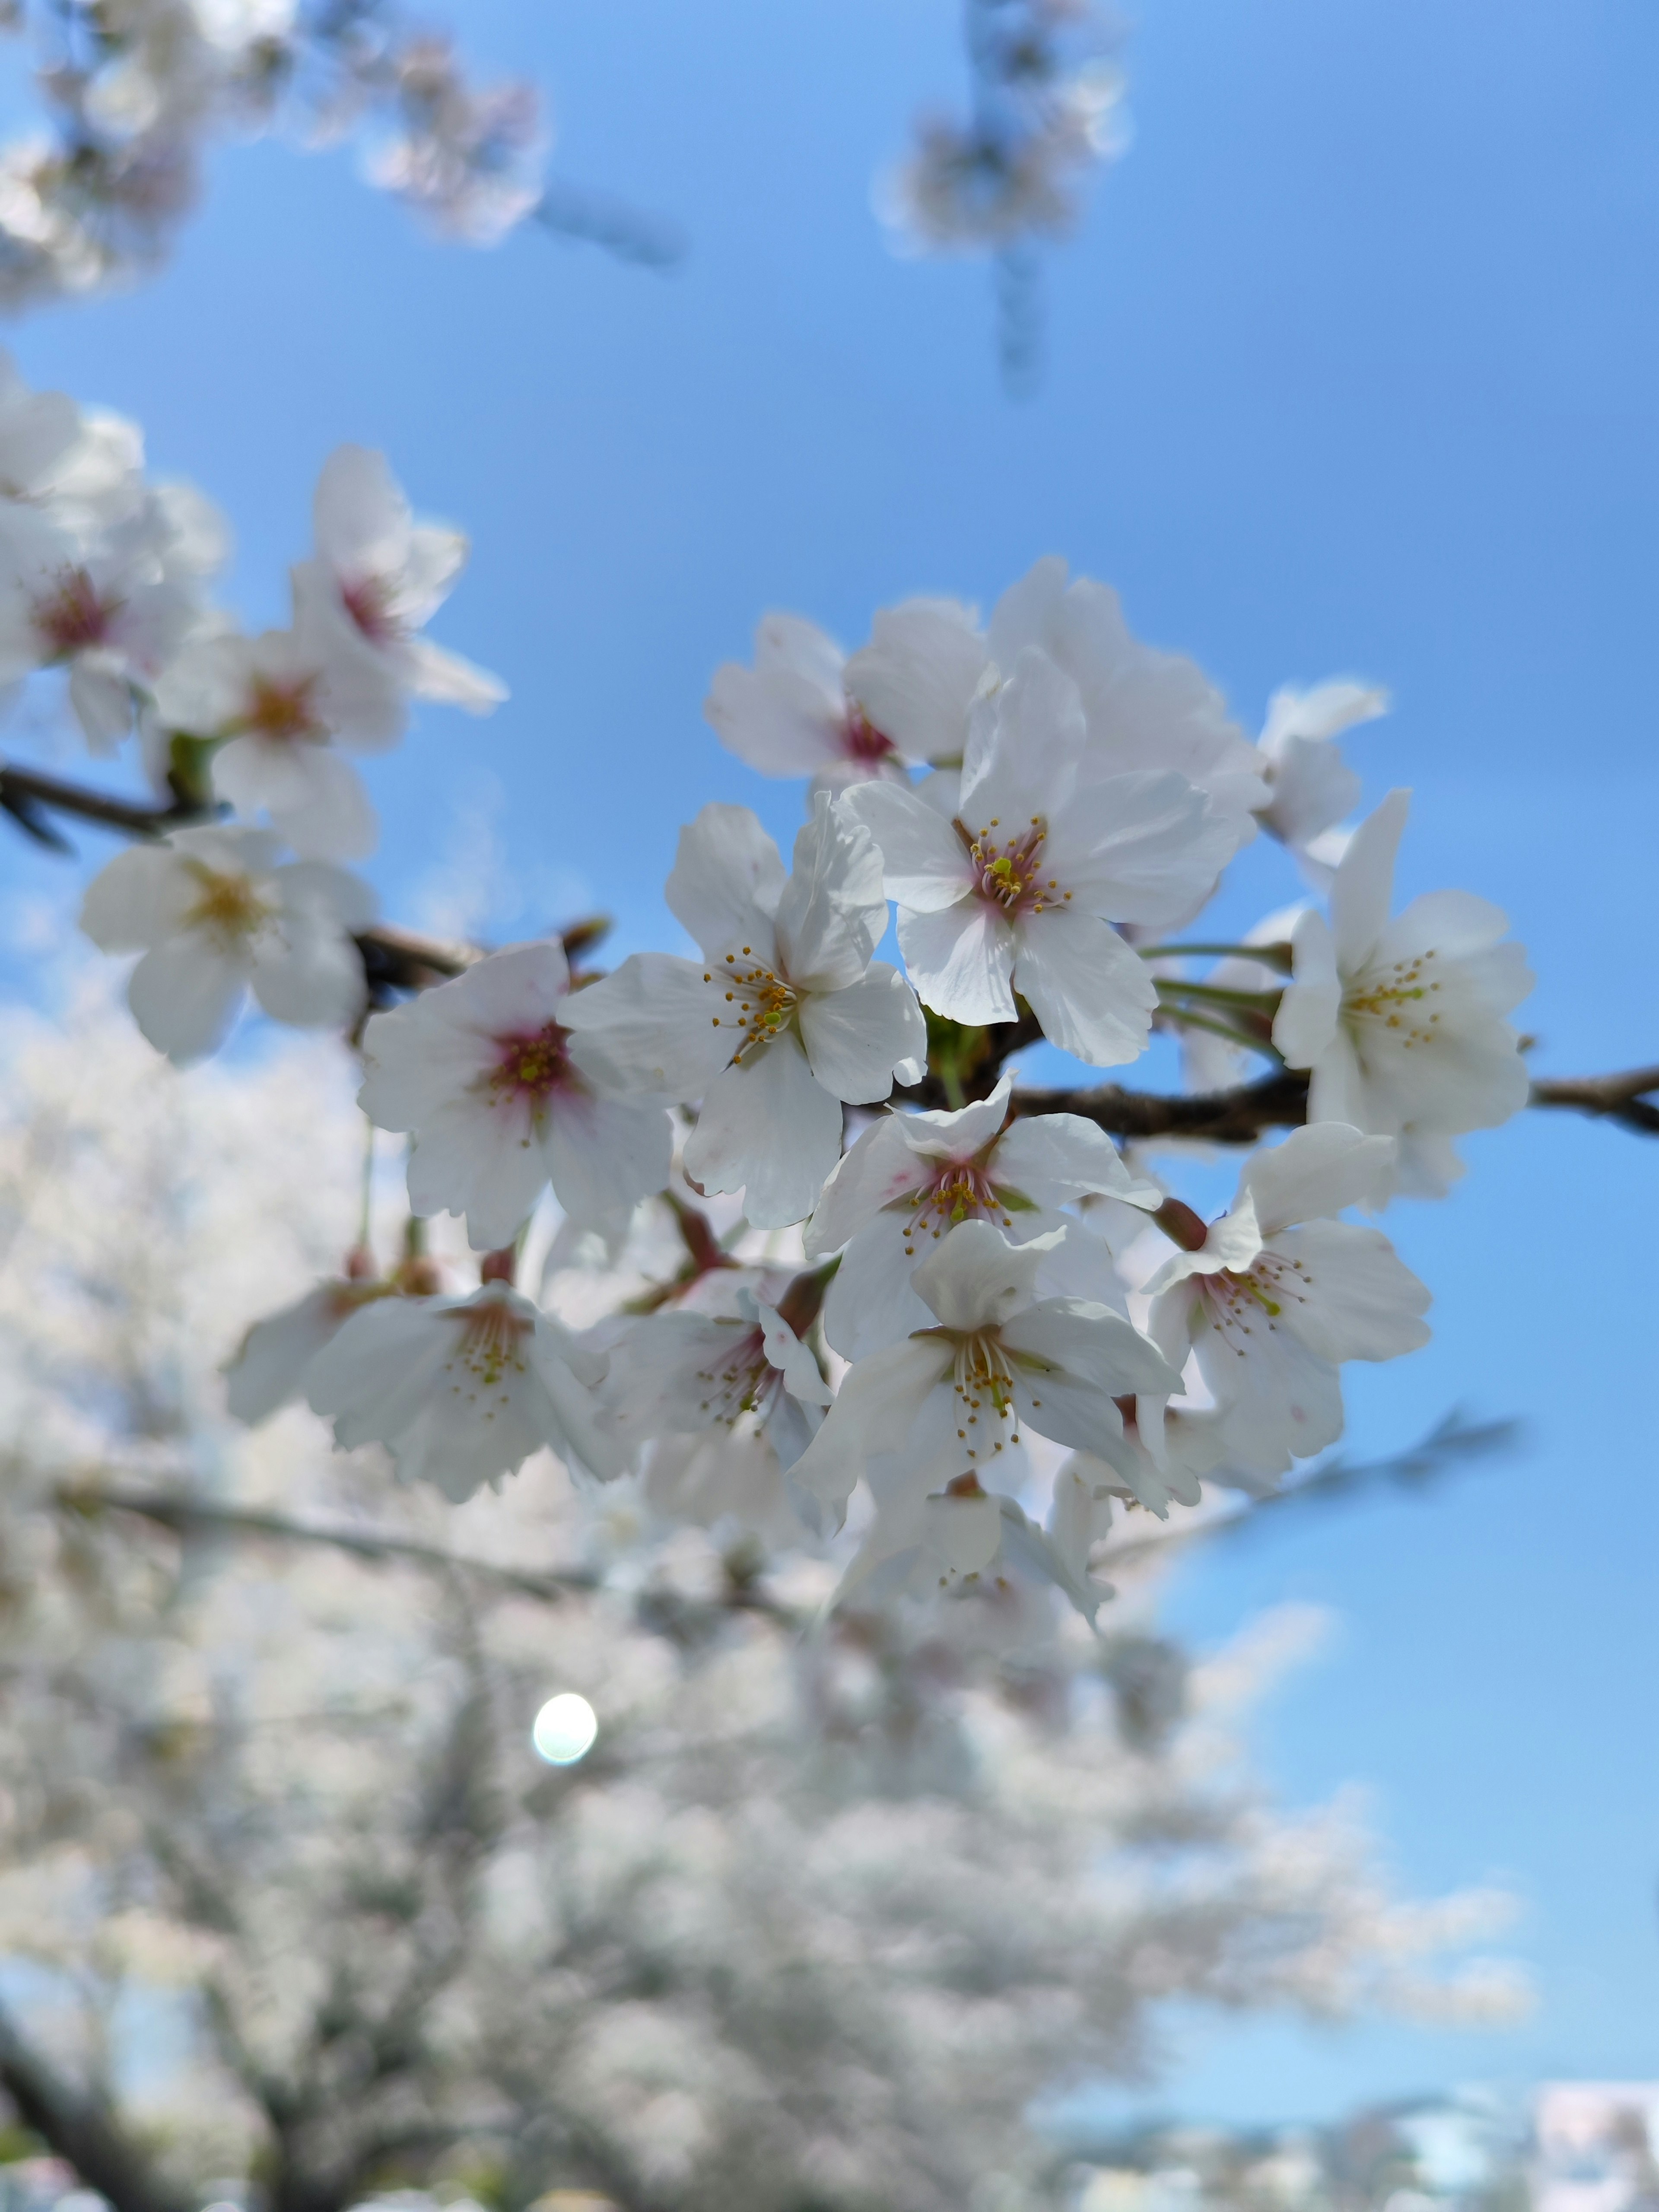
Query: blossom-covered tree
{"x": 827, "y": 1903}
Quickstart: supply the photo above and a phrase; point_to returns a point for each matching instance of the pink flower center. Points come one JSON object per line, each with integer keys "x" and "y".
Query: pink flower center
{"x": 71, "y": 616}
{"x": 744, "y": 1382}
{"x": 532, "y": 1064}
{"x": 368, "y": 601}
{"x": 861, "y": 740}
{"x": 282, "y": 711}
{"x": 961, "y": 1190}
{"x": 1008, "y": 869}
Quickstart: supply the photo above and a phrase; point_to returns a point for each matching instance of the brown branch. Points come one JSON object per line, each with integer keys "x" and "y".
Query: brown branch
{"x": 1219, "y": 1117}
{"x": 185, "y": 1516}
{"x": 1620, "y": 1098}
{"x": 25, "y": 793}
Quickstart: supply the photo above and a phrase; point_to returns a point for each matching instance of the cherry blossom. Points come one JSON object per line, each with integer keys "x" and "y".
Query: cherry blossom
{"x": 278, "y": 702}
{"x": 957, "y": 1540}
{"x": 953, "y": 1398}
{"x": 487, "y": 1080}
{"x": 786, "y": 1015}
{"x": 1018, "y": 892}
{"x": 377, "y": 578}
{"x": 912, "y": 1177}
{"x": 215, "y": 915}
{"x": 685, "y": 1373}
{"x": 110, "y": 613}
{"x": 1401, "y": 1023}
{"x": 268, "y": 1368}
{"x": 461, "y": 1390}
{"x": 1311, "y": 788}
{"x": 804, "y": 708}
{"x": 1144, "y": 708}
{"x": 1280, "y": 1293}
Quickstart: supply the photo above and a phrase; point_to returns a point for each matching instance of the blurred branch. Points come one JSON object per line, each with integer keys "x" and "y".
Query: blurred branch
{"x": 1620, "y": 1098}
{"x": 592, "y": 219}
{"x": 81, "y": 2129}
{"x": 186, "y": 1515}
{"x": 1452, "y": 1444}
{"x": 27, "y": 794}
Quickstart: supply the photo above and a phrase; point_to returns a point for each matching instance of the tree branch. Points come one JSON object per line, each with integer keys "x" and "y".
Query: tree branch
{"x": 187, "y": 1516}
{"x": 1620, "y": 1098}
{"x": 80, "y": 2129}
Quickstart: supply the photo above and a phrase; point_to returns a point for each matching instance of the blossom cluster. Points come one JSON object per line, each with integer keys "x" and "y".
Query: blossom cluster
{"x": 136, "y": 91}
{"x": 1047, "y": 108}
{"x": 895, "y": 1294}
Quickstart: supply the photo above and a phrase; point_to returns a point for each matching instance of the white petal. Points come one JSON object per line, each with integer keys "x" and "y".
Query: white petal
{"x": 965, "y": 1533}
{"x": 604, "y": 1154}
{"x": 269, "y": 1368}
{"x": 138, "y": 898}
{"x": 769, "y": 1129}
{"x": 879, "y": 1169}
{"x": 799, "y": 1370}
{"x": 1362, "y": 1301}
{"x": 1306, "y": 1020}
{"x": 856, "y": 1038}
{"x": 777, "y": 720}
{"x": 1093, "y": 1344}
{"x": 870, "y": 1303}
{"x": 727, "y": 881}
{"x": 1315, "y": 1171}
{"x": 102, "y": 699}
{"x": 1091, "y": 992}
{"x": 433, "y": 673}
{"x": 467, "y": 1160}
{"x": 1363, "y": 889}
{"x": 1051, "y": 1158}
{"x": 1024, "y": 748}
{"x": 961, "y": 960}
{"x": 1143, "y": 847}
{"x": 185, "y": 995}
{"x": 875, "y": 1410}
{"x": 832, "y": 913}
{"x": 924, "y": 864}
{"x": 977, "y": 1279}
{"x": 360, "y": 516}
{"x": 916, "y": 679}
{"x": 647, "y": 1027}
{"x": 314, "y": 979}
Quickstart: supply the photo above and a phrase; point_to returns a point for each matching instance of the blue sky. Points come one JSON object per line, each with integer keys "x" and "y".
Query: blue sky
{"x": 1354, "y": 367}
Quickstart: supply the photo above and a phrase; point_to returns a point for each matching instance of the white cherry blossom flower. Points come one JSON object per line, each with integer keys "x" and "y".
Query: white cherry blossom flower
{"x": 214, "y": 915}
{"x": 1310, "y": 787}
{"x": 279, "y": 701}
{"x": 1020, "y": 890}
{"x": 956, "y": 1543}
{"x": 786, "y": 1015}
{"x": 268, "y": 1370}
{"x": 1160, "y": 1460}
{"x": 686, "y": 1373}
{"x": 378, "y": 577}
{"x": 109, "y": 614}
{"x": 1400, "y": 1023}
{"x": 484, "y": 1076}
{"x": 953, "y": 1398}
{"x": 461, "y": 1390}
{"x": 1280, "y": 1294}
{"x": 1144, "y": 708}
{"x": 804, "y": 708}
{"x": 912, "y": 1177}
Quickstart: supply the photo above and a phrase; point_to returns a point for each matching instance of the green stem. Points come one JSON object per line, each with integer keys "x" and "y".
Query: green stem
{"x": 365, "y": 1210}
{"x": 955, "y": 1096}
{"x": 1189, "y": 1019}
{"x": 1266, "y": 956}
{"x": 1258, "y": 1002}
